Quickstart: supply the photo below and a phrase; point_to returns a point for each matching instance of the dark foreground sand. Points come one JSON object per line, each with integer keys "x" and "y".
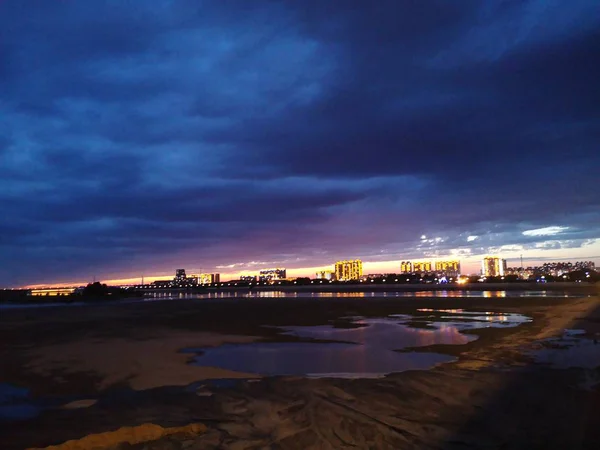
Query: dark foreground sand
{"x": 126, "y": 357}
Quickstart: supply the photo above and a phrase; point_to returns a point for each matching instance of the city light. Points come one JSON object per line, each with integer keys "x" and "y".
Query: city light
{"x": 492, "y": 266}
{"x": 348, "y": 270}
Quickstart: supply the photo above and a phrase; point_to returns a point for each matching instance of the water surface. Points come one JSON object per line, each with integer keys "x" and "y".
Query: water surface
{"x": 251, "y": 294}
{"x": 572, "y": 350}
{"x": 15, "y": 403}
{"x": 225, "y": 294}
{"x": 316, "y": 360}
{"x": 364, "y": 349}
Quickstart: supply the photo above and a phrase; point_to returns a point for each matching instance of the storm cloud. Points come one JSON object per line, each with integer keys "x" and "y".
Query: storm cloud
{"x": 137, "y": 137}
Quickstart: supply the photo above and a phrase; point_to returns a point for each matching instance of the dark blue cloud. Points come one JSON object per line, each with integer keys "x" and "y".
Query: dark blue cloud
{"x": 142, "y": 137}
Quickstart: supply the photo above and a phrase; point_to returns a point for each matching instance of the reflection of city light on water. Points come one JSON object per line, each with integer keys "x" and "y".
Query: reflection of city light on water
{"x": 494, "y": 294}
{"x": 487, "y": 316}
{"x": 442, "y": 335}
{"x": 422, "y": 294}
{"x": 276, "y": 294}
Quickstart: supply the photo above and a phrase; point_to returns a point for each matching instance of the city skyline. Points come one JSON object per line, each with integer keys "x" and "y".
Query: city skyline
{"x": 237, "y": 136}
{"x": 473, "y": 267}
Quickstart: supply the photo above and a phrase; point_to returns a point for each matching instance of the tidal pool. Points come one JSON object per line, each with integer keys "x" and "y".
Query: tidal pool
{"x": 316, "y": 360}
{"x": 15, "y": 403}
{"x": 469, "y": 320}
{"x": 572, "y": 350}
{"x": 364, "y": 349}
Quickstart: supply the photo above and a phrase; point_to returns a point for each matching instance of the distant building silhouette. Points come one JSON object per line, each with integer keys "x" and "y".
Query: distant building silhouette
{"x": 272, "y": 274}
{"x": 553, "y": 268}
{"x": 325, "y": 275}
{"x": 250, "y": 278}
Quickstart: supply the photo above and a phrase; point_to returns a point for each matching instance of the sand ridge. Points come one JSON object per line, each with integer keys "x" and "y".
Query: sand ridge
{"x": 127, "y": 435}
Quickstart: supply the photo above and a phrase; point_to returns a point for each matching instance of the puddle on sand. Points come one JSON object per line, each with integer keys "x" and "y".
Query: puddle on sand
{"x": 470, "y": 320}
{"x": 217, "y": 383}
{"x": 15, "y": 403}
{"x": 316, "y": 360}
{"x": 386, "y": 333}
{"x": 364, "y": 350}
{"x": 569, "y": 351}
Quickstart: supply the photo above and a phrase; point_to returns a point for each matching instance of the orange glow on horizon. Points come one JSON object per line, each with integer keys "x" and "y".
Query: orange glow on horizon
{"x": 471, "y": 265}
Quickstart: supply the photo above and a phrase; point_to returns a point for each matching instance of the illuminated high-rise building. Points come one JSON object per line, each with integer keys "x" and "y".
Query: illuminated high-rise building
{"x": 348, "y": 270}
{"x": 182, "y": 280}
{"x": 448, "y": 268}
{"x": 209, "y": 278}
{"x": 422, "y": 267}
{"x": 492, "y": 266}
{"x": 406, "y": 267}
{"x": 272, "y": 274}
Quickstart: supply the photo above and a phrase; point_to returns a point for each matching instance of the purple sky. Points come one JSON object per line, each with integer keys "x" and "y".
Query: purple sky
{"x": 139, "y": 137}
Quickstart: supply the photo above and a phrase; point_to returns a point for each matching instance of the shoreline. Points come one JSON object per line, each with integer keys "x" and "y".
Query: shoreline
{"x": 129, "y": 357}
{"x": 392, "y": 287}
{"x": 388, "y": 287}
{"x": 567, "y": 288}
{"x": 65, "y": 330}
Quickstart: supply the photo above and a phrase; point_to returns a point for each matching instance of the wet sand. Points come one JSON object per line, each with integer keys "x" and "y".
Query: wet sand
{"x": 127, "y": 356}
{"x": 143, "y": 362}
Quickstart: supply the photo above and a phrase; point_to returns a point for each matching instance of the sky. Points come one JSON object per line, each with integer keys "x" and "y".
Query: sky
{"x": 140, "y": 137}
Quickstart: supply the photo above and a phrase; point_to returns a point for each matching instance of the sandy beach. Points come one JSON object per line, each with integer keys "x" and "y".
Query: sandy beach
{"x": 124, "y": 365}
{"x": 143, "y": 362}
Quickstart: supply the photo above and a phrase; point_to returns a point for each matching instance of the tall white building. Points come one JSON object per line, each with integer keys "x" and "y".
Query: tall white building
{"x": 492, "y": 266}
